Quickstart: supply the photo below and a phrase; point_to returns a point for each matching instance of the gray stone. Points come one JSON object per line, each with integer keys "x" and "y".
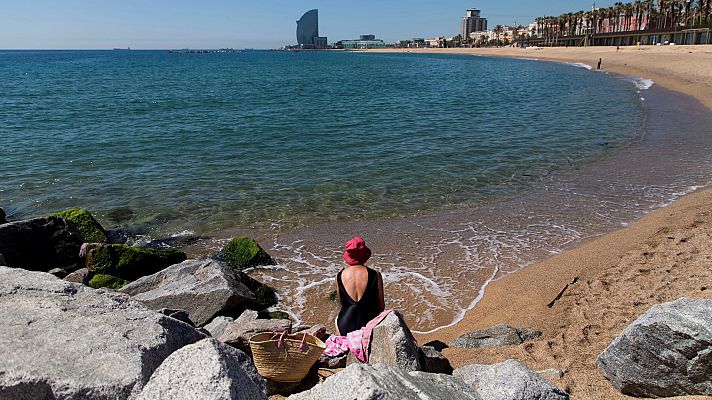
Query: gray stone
{"x": 392, "y": 344}
{"x": 238, "y": 332}
{"x": 204, "y": 288}
{"x": 41, "y": 244}
{"x": 434, "y": 361}
{"x": 58, "y": 272}
{"x": 508, "y": 380}
{"x": 498, "y": 335}
{"x": 332, "y": 362}
{"x": 551, "y": 374}
{"x": 180, "y": 315}
{"x": 319, "y": 331}
{"x": 666, "y": 352}
{"x": 67, "y": 341}
{"x": 379, "y": 381}
{"x": 78, "y": 276}
{"x": 217, "y": 326}
{"x": 207, "y": 369}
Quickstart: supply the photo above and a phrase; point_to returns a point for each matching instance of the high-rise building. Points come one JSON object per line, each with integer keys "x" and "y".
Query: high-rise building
{"x": 308, "y": 28}
{"x": 472, "y": 22}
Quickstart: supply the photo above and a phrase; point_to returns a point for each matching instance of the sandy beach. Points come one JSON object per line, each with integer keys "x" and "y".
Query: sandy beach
{"x": 662, "y": 257}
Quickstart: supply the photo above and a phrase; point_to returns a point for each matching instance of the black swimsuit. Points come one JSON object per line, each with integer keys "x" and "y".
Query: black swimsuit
{"x": 355, "y": 315}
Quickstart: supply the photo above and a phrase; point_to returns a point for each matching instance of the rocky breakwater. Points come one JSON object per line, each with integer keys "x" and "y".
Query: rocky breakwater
{"x": 67, "y": 341}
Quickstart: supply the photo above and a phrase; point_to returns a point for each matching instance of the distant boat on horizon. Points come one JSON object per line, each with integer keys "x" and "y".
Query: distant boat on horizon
{"x": 118, "y": 49}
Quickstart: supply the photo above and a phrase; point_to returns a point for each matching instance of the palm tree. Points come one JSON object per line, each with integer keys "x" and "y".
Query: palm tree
{"x": 497, "y": 31}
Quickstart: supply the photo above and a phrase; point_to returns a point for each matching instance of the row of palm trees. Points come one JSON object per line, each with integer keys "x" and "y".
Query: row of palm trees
{"x": 641, "y": 15}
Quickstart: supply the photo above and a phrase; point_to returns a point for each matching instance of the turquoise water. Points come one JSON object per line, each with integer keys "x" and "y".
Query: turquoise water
{"x": 204, "y": 142}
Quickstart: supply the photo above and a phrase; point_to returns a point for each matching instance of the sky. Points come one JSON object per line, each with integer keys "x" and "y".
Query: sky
{"x": 263, "y": 24}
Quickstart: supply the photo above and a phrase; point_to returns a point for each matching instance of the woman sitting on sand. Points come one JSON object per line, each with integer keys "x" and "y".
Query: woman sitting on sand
{"x": 360, "y": 289}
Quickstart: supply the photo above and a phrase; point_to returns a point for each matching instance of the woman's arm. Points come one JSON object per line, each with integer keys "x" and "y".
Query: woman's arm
{"x": 381, "y": 295}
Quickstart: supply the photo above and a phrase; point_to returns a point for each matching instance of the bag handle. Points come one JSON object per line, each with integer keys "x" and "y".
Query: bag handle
{"x": 280, "y": 341}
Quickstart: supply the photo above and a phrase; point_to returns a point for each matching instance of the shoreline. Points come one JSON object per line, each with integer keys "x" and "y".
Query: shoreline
{"x": 655, "y": 259}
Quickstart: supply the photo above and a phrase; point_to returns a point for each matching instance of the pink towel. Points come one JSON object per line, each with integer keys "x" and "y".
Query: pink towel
{"x": 357, "y": 342}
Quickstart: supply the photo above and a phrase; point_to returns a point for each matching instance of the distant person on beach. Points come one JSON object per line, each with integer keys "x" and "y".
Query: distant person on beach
{"x": 359, "y": 288}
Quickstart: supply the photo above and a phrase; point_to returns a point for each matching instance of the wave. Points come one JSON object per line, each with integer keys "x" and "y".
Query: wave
{"x": 581, "y": 65}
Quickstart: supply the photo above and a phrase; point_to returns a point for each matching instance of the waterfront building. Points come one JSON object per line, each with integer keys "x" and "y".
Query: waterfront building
{"x": 308, "y": 29}
{"x": 364, "y": 42}
{"x": 473, "y": 22}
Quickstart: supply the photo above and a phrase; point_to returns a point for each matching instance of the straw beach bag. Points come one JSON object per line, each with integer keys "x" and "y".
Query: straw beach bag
{"x": 284, "y": 357}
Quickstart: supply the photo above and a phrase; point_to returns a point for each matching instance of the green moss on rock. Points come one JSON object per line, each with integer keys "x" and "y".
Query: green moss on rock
{"x": 129, "y": 262}
{"x": 244, "y": 252}
{"x": 107, "y": 281}
{"x": 92, "y": 231}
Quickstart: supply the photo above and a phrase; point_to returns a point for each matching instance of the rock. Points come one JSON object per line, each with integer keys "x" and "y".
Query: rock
{"x": 551, "y": 374}
{"x": 207, "y": 369}
{"x": 370, "y": 382}
{"x": 325, "y": 361}
{"x": 174, "y": 242}
{"x": 129, "y": 262}
{"x": 434, "y": 361}
{"x": 2, "y": 217}
{"x": 180, "y": 315}
{"x": 58, "y": 272}
{"x": 41, "y": 244}
{"x": 242, "y": 253}
{"x": 91, "y": 230}
{"x": 238, "y": 332}
{"x": 78, "y": 276}
{"x": 313, "y": 378}
{"x": 273, "y": 315}
{"x": 264, "y": 295}
{"x": 204, "y": 288}
{"x": 666, "y": 352}
{"x": 98, "y": 281}
{"x": 217, "y": 326}
{"x": 67, "y": 341}
{"x": 393, "y": 345}
{"x": 508, "y": 380}
{"x": 498, "y": 335}
{"x": 319, "y": 331}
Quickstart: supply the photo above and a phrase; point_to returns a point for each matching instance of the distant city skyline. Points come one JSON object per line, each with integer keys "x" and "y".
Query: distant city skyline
{"x": 78, "y": 24}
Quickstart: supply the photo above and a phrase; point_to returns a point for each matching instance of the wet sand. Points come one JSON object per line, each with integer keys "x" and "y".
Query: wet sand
{"x": 661, "y": 257}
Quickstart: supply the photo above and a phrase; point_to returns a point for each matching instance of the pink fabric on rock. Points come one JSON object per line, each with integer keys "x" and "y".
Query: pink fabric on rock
{"x": 358, "y": 342}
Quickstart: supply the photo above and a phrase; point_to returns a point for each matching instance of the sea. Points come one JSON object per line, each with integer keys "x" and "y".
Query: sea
{"x": 457, "y": 170}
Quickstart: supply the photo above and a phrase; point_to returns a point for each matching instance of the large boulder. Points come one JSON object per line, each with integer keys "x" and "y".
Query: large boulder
{"x": 498, "y": 335}
{"x": 242, "y": 253}
{"x": 217, "y": 326}
{"x": 91, "y": 230}
{"x": 370, "y": 382}
{"x": 203, "y": 288}
{"x": 238, "y": 332}
{"x": 265, "y": 296}
{"x": 392, "y": 344}
{"x": 508, "y": 380}
{"x": 207, "y": 369}
{"x": 67, "y": 341}
{"x": 2, "y": 217}
{"x": 129, "y": 262}
{"x": 666, "y": 352}
{"x": 41, "y": 244}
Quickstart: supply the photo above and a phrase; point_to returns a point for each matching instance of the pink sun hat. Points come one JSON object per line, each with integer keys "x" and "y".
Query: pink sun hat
{"x": 356, "y": 252}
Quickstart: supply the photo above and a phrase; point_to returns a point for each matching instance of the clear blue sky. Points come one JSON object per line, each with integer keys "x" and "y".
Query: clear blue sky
{"x": 161, "y": 24}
